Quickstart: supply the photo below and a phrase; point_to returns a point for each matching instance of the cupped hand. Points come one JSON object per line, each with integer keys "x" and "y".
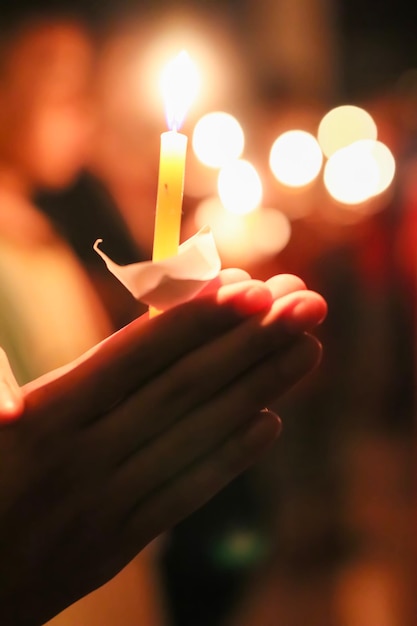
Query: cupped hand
{"x": 139, "y": 433}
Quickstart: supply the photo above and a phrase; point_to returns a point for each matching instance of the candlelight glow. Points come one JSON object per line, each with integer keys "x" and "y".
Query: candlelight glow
{"x": 244, "y": 238}
{"x": 179, "y": 84}
{"x": 239, "y": 187}
{"x": 217, "y": 139}
{"x": 271, "y": 232}
{"x": 385, "y": 161}
{"x": 343, "y": 126}
{"x": 295, "y": 158}
{"x": 359, "y": 172}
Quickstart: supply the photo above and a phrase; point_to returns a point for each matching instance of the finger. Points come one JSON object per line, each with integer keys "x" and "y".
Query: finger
{"x": 197, "y": 377}
{"x": 299, "y": 311}
{"x": 251, "y": 296}
{"x": 284, "y": 284}
{"x": 140, "y": 351}
{"x": 189, "y": 491}
{"x": 202, "y": 430}
{"x": 227, "y": 276}
{"x": 11, "y": 396}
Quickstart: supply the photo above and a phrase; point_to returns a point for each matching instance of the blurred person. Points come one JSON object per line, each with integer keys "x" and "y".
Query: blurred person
{"x": 44, "y": 127}
{"x": 50, "y": 312}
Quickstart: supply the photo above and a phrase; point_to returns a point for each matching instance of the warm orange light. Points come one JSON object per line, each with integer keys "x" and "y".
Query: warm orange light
{"x": 179, "y": 84}
{"x": 385, "y": 162}
{"x": 359, "y": 172}
{"x": 271, "y": 232}
{"x": 244, "y": 239}
{"x": 295, "y": 158}
{"x": 217, "y": 139}
{"x": 343, "y": 126}
{"x": 239, "y": 187}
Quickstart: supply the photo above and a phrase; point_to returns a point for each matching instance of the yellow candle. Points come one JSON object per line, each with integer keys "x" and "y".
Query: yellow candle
{"x": 170, "y": 194}
{"x": 179, "y": 83}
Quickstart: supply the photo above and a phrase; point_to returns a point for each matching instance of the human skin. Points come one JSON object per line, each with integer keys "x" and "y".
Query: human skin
{"x": 116, "y": 448}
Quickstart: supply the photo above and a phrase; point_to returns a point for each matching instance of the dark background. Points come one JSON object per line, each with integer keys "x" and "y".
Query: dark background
{"x": 377, "y": 39}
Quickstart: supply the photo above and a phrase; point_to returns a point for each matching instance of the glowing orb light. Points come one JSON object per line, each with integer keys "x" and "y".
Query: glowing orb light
{"x": 271, "y": 232}
{"x": 385, "y": 161}
{"x": 244, "y": 238}
{"x": 217, "y": 139}
{"x": 295, "y": 158}
{"x": 358, "y": 172}
{"x": 239, "y": 187}
{"x": 344, "y": 125}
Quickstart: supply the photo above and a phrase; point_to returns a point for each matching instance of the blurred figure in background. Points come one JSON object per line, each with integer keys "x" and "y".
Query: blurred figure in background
{"x": 50, "y": 312}
{"x": 115, "y": 193}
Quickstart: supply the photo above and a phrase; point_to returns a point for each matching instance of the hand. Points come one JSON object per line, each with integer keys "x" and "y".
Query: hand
{"x": 139, "y": 433}
{"x": 11, "y": 396}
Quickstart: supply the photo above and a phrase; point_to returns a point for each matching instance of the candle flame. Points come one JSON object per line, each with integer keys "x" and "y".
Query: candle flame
{"x": 179, "y": 85}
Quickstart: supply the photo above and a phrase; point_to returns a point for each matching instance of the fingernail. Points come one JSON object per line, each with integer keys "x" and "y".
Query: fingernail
{"x": 263, "y": 430}
{"x": 274, "y": 417}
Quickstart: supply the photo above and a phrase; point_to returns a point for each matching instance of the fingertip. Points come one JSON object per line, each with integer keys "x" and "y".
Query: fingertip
{"x": 275, "y": 420}
{"x": 233, "y": 275}
{"x": 227, "y": 276}
{"x": 310, "y": 311}
{"x": 11, "y": 396}
{"x": 299, "y": 312}
{"x": 247, "y": 297}
{"x": 318, "y": 308}
{"x": 11, "y": 409}
{"x": 261, "y": 432}
{"x": 283, "y": 284}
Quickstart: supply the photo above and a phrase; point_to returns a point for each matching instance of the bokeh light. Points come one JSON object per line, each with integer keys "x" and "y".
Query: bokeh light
{"x": 295, "y": 158}
{"x": 244, "y": 239}
{"x": 385, "y": 161}
{"x": 358, "y": 172}
{"x": 217, "y": 139}
{"x": 180, "y": 81}
{"x": 271, "y": 232}
{"x": 239, "y": 187}
{"x": 344, "y": 125}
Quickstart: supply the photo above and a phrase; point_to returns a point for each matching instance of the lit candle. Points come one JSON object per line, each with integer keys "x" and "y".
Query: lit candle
{"x": 170, "y": 194}
{"x": 179, "y": 83}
